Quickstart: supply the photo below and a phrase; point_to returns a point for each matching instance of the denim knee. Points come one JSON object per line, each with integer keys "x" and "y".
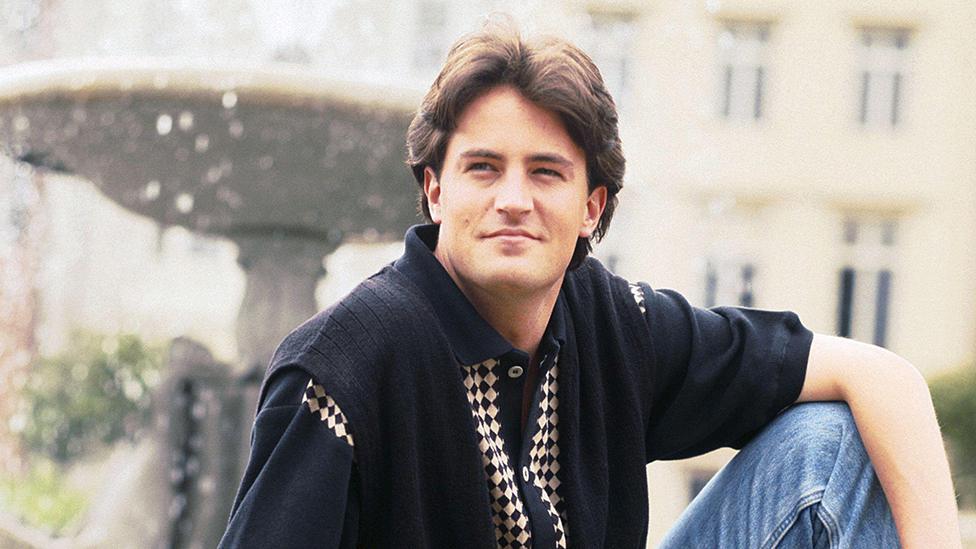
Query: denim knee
{"x": 834, "y": 413}
{"x": 807, "y": 442}
{"x": 828, "y": 456}
{"x": 805, "y": 477}
{"x": 815, "y": 424}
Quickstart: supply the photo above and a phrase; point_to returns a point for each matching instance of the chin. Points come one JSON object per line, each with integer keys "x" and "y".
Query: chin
{"x": 517, "y": 276}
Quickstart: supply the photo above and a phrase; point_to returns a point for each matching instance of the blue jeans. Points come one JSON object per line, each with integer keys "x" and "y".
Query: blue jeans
{"x": 804, "y": 481}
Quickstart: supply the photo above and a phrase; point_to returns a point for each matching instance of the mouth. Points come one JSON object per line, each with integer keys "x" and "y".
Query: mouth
{"x": 514, "y": 234}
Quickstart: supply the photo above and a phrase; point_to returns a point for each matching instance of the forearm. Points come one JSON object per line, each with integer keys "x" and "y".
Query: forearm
{"x": 894, "y": 415}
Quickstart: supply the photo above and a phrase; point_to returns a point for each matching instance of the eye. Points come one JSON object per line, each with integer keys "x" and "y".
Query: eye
{"x": 549, "y": 172}
{"x": 480, "y": 167}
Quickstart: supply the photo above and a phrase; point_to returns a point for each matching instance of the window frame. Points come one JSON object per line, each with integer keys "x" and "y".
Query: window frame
{"x": 734, "y": 39}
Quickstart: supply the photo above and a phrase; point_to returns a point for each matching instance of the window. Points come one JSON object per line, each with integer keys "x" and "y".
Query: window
{"x": 729, "y": 282}
{"x": 866, "y": 279}
{"x": 611, "y": 45}
{"x": 742, "y": 60}
{"x": 733, "y": 229}
{"x": 883, "y": 54}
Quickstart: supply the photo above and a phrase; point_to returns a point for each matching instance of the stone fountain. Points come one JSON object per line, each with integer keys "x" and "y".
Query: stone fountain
{"x": 287, "y": 164}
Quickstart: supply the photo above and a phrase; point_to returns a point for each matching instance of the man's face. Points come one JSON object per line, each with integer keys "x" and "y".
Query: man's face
{"x": 512, "y": 197}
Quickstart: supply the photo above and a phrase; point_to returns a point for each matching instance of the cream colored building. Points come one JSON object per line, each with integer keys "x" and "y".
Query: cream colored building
{"x": 813, "y": 156}
{"x": 853, "y": 151}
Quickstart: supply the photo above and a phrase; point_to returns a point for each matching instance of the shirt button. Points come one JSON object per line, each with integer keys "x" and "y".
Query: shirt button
{"x": 525, "y": 473}
{"x": 515, "y": 371}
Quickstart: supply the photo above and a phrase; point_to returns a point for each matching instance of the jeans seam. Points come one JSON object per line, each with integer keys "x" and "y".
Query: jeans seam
{"x": 776, "y": 536}
{"x": 830, "y": 524}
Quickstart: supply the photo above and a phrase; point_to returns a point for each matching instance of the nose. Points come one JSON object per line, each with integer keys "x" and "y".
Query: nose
{"x": 514, "y": 196}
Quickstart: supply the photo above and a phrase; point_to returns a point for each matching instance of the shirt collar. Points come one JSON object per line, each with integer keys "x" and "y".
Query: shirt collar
{"x": 471, "y": 337}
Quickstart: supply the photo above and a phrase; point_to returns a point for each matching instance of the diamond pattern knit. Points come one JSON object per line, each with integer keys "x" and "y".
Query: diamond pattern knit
{"x": 327, "y": 410}
{"x": 512, "y": 528}
{"x": 544, "y": 453}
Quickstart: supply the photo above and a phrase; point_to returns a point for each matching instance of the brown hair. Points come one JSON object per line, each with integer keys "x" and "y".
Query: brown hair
{"x": 553, "y": 74}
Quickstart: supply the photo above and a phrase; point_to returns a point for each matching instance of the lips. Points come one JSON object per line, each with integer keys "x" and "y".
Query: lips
{"x": 511, "y": 233}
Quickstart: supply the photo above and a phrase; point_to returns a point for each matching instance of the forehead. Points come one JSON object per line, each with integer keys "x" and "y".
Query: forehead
{"x": 504, "y": 119}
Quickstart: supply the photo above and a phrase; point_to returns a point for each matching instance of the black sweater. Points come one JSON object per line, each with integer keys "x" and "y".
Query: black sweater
{"x": 664, "y": 382}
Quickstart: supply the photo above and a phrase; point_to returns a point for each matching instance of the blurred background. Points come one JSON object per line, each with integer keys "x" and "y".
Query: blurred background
{"x": 181, "y": 183}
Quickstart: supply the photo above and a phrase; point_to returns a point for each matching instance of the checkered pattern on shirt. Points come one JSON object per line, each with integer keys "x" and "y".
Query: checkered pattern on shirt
{"x": 544, "y": 453}
{"x": 511, "y": 523}
{"x": 327, "y": 410}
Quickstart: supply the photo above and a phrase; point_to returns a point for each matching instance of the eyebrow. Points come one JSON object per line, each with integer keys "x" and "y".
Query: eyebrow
{"x": 553, "y": 158}
{"x": 481, "y": 153}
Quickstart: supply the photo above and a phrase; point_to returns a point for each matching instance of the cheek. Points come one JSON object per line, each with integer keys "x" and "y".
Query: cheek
{"x": 460, "y": 209}
{"x": 572, "y": 215}
{"x": 467, "y": 213}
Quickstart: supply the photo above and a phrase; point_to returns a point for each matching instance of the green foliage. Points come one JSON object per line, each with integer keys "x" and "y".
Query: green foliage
{"x": 94, "y": 393}
{"x": 41, "y": 498}
{"x": 954, "y": 395}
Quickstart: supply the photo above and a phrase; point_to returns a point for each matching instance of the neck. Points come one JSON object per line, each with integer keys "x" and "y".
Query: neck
{"x": 519, "y": 318}
{"x": 517, "y": 314}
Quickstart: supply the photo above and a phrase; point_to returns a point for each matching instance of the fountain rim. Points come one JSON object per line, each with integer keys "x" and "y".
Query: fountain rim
{"x": 266, "y": 83}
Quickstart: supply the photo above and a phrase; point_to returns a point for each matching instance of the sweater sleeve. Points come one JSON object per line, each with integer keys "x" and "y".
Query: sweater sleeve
{"x": 719, "y": 375}
{"x": 300, "y": 486}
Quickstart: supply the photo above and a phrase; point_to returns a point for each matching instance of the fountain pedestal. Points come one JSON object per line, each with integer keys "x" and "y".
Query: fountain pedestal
{"x": 282, "y": 273}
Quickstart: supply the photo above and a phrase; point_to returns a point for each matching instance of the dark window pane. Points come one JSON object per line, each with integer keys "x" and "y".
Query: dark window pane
{"x": 711, "y": 285}
{"x": 846, "y": 302}
{"x": 895, "y": 96}
{"x": 746, "y": 298}
{"x": 881, "y": 308}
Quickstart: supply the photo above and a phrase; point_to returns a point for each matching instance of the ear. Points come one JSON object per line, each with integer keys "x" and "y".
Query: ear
{"x": 432, "y": 189}
{"x": 595, "y": 204}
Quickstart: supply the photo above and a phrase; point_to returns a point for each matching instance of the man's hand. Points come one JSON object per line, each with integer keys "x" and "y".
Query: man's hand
{"x": 893, "y": 411}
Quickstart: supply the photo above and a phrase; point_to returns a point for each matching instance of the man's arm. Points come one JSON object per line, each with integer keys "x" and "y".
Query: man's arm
{"x": 893, "y": 411}
{"x": 300, "y": 486}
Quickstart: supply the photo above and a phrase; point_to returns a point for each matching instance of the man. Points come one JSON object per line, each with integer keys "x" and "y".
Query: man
{"x": 493, "y": 387}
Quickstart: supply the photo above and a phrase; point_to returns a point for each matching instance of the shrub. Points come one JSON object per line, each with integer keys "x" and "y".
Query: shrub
{"x": 954, "y": 395}
{"x": 92, "y": 394}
